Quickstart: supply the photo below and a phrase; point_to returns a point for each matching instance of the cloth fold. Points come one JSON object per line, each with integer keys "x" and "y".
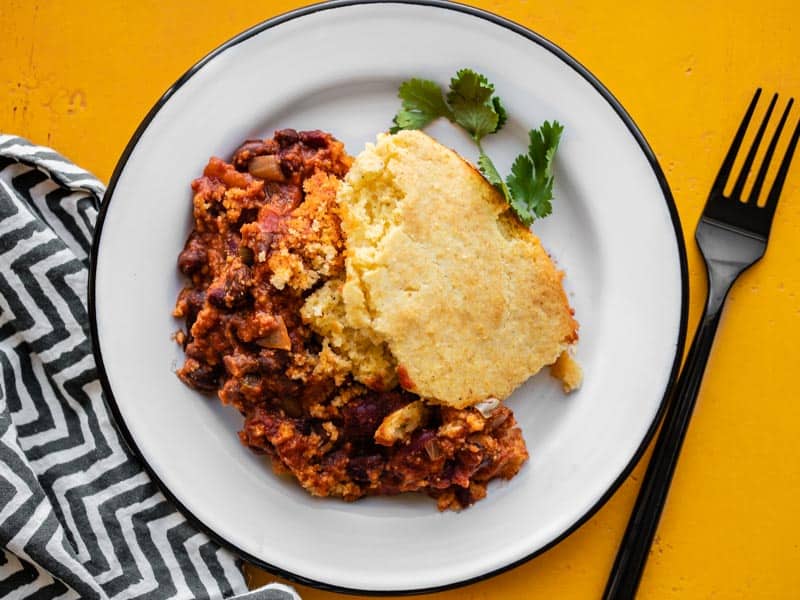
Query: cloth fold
{"x": 79, "y": 516}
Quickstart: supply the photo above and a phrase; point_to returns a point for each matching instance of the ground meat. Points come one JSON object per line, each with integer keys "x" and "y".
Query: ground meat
{"x": 266, "y": 235}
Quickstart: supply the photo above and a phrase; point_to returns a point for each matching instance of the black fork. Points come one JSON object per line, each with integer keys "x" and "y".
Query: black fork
{"x": 732, "y": 235}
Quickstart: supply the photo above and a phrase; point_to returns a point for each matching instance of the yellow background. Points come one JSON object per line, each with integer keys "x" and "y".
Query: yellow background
{"x": 79, "y": 76}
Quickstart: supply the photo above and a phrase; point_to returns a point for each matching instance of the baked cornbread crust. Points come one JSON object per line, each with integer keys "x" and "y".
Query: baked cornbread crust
{"x": 567, "y": 370}
{"x": 442, "y": 275}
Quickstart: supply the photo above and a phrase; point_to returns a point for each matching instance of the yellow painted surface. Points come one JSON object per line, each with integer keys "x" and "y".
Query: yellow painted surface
{"x": 79, "y": 76}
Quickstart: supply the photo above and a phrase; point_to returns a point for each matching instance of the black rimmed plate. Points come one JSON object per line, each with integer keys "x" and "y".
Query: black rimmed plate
{"x": 614, "y": 230}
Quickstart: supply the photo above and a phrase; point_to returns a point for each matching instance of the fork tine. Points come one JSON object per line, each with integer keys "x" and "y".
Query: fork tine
{"x": 762, "y": 171}
{"x": 775, "y": 192}
{"x": 736, "y": 193}
{"x": 727, "y": 164}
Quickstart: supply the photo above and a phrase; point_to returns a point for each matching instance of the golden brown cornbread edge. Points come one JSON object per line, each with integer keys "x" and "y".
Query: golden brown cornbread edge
{"x": 443, "y": 275}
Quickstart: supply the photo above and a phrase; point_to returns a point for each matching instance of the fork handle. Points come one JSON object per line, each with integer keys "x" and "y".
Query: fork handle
{"x": 634, "y": 548}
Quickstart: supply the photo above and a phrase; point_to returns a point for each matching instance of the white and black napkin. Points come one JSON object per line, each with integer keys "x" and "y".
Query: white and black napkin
{"x": 79, "y": 516}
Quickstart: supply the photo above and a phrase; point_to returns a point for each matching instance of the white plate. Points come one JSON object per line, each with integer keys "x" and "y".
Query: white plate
{"x": 614, "y": 230}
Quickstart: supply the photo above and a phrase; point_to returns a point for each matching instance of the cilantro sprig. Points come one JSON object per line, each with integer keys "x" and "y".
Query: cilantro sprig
{"x": 472, "y": 104}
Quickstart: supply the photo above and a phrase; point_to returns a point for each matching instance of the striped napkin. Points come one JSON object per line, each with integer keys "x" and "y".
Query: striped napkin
{"x": 79, "y": 516}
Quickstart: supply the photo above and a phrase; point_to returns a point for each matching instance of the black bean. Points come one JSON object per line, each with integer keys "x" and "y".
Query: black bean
{"x": 203, "y": 377}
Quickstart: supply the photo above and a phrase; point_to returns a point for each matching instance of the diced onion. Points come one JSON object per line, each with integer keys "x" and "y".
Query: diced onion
{"x": 487, "y": 407}
{"x": 277, "y": 338}
{"x": 266, "y": 166}
{"x": 433, "y": 449}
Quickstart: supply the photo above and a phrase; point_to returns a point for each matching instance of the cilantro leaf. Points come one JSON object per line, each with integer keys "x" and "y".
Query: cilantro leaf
{"x": 478, "y": 120}
{"x": 531, "y": 178}
{"x": 492, "y": 175}
{"x": 470, "y": 98}
{"x": 552, "y": 136}
{"x": 528, "y": 193}
{"x": 422, "y": 102}
{"x": 489, "y": 170}
{"x": 543, "y": 145}
{"x": 470, "y": 103}
{"x": 469, "y": 87}
{"x": 502, "y": 115}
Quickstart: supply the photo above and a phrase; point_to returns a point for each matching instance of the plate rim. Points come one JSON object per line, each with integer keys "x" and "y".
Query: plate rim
{"x": 514, "y": 27}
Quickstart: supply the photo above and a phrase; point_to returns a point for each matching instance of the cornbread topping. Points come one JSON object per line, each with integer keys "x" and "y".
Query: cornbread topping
{"x": 445, "y": 291}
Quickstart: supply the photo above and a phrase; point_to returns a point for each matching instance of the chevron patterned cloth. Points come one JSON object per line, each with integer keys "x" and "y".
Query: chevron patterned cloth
{"x": 79, "y": 516}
